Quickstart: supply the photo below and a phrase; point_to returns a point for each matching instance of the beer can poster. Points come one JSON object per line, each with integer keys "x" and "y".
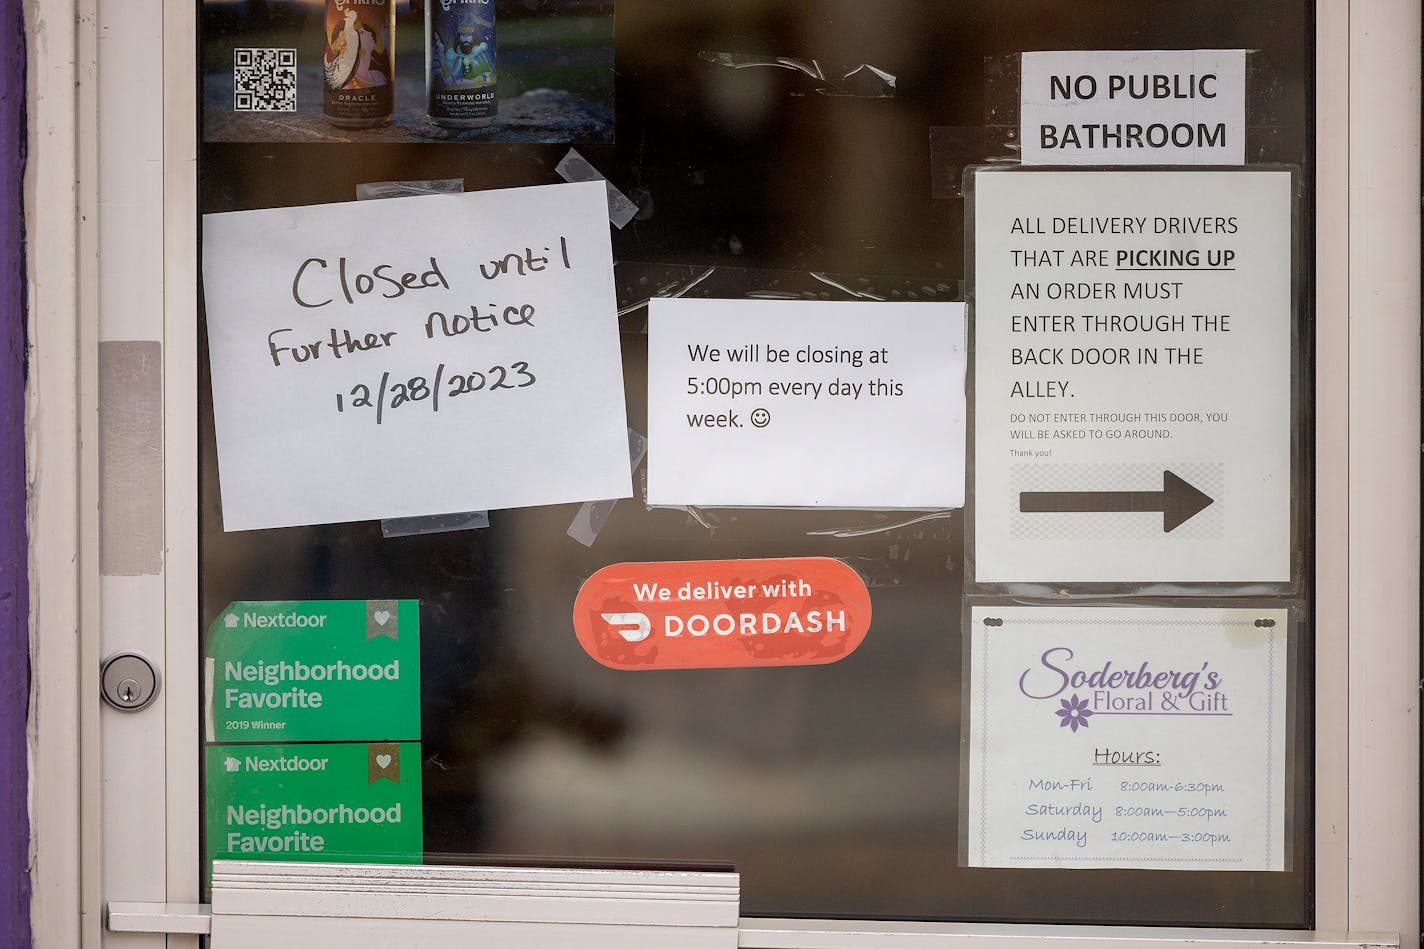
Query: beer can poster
{"x": 359, "y": 62}
{"x": 460, "y": 62}
{"x": 407, "y": 72}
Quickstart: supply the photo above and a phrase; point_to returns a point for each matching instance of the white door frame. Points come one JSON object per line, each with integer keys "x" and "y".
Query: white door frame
{"x": 92, "y": 93}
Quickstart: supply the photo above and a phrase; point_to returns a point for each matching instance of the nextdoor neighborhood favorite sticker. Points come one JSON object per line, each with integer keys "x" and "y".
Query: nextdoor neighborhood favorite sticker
{"x": 342, "y": 802}
{"x": 314, "y": 670}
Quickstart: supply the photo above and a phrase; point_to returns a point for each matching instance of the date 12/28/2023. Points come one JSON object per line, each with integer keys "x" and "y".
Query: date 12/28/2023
{"x": 419, "y": 389}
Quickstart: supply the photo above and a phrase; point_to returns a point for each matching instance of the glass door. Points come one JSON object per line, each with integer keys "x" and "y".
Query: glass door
{"x": 871, "y": 451}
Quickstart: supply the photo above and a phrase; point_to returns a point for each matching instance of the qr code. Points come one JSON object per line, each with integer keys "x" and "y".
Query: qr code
{"x": 264, "y": 80}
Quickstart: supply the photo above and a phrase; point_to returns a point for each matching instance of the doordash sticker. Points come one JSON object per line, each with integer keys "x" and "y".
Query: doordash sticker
{"x": 719, "y": 614}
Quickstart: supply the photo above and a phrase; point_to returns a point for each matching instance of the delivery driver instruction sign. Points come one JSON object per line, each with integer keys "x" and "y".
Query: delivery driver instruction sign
{"x": 1132, "y": 390}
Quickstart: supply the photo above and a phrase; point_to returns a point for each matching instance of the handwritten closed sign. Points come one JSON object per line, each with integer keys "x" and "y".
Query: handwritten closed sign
{"x": 411, "y": 357}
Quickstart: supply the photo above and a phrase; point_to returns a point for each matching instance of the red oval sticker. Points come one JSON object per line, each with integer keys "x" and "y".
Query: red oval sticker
{"x": 719, "y": 614}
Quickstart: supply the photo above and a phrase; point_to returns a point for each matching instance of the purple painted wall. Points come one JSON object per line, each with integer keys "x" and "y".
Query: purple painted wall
{"x": 14, "y": 587}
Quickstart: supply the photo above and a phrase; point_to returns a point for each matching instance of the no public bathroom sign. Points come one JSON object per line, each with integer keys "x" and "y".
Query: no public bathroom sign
{"x": 716, "y": 614}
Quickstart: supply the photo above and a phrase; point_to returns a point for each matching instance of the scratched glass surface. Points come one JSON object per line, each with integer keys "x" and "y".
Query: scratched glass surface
{"x": 778, "y": 150}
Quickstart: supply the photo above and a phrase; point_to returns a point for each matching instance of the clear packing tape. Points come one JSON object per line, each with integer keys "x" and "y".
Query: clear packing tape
{"x": 637, "y": 283}
{"x": 859, "y": 80}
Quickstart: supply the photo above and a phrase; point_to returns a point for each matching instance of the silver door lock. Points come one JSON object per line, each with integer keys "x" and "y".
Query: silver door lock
{"x": 128, "y": 681}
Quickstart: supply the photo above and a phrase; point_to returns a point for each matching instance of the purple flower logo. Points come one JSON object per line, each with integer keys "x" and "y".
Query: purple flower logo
{"x": 1075, "y": 713}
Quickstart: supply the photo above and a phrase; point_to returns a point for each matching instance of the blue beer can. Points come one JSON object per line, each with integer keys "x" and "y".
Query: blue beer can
{"x": 460, "y": 75}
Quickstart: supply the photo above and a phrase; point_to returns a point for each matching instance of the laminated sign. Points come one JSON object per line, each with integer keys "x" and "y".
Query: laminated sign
{"x": 1147, "y": 738}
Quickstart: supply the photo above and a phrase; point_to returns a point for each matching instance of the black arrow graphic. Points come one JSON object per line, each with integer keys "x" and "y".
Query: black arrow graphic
{"x": 1178, "y": 501}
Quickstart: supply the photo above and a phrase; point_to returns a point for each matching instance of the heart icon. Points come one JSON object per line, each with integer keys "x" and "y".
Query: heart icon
{"x": 383, "y": 761}
{"x": 381, "y": 617}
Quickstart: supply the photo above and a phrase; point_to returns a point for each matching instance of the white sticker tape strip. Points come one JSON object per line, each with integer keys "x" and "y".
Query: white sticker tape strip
{"x": 594, "y": 514}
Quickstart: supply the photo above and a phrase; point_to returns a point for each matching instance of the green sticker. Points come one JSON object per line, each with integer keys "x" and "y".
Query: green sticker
{"x": 317, "y": 670}
{"x": 350, "y": 802}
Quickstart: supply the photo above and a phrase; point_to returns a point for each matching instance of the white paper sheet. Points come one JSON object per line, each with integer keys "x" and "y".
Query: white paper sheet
{"x": 1133, "y": 107}
{"x": 1148, "y": 738}
{"x": 1132, "y": 336}
{"x": 482, "y": 370}
{"x": 806, "y": 404}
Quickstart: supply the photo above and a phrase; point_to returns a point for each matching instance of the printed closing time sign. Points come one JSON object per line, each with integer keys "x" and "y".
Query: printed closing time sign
{"x": 761, "y": 403}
